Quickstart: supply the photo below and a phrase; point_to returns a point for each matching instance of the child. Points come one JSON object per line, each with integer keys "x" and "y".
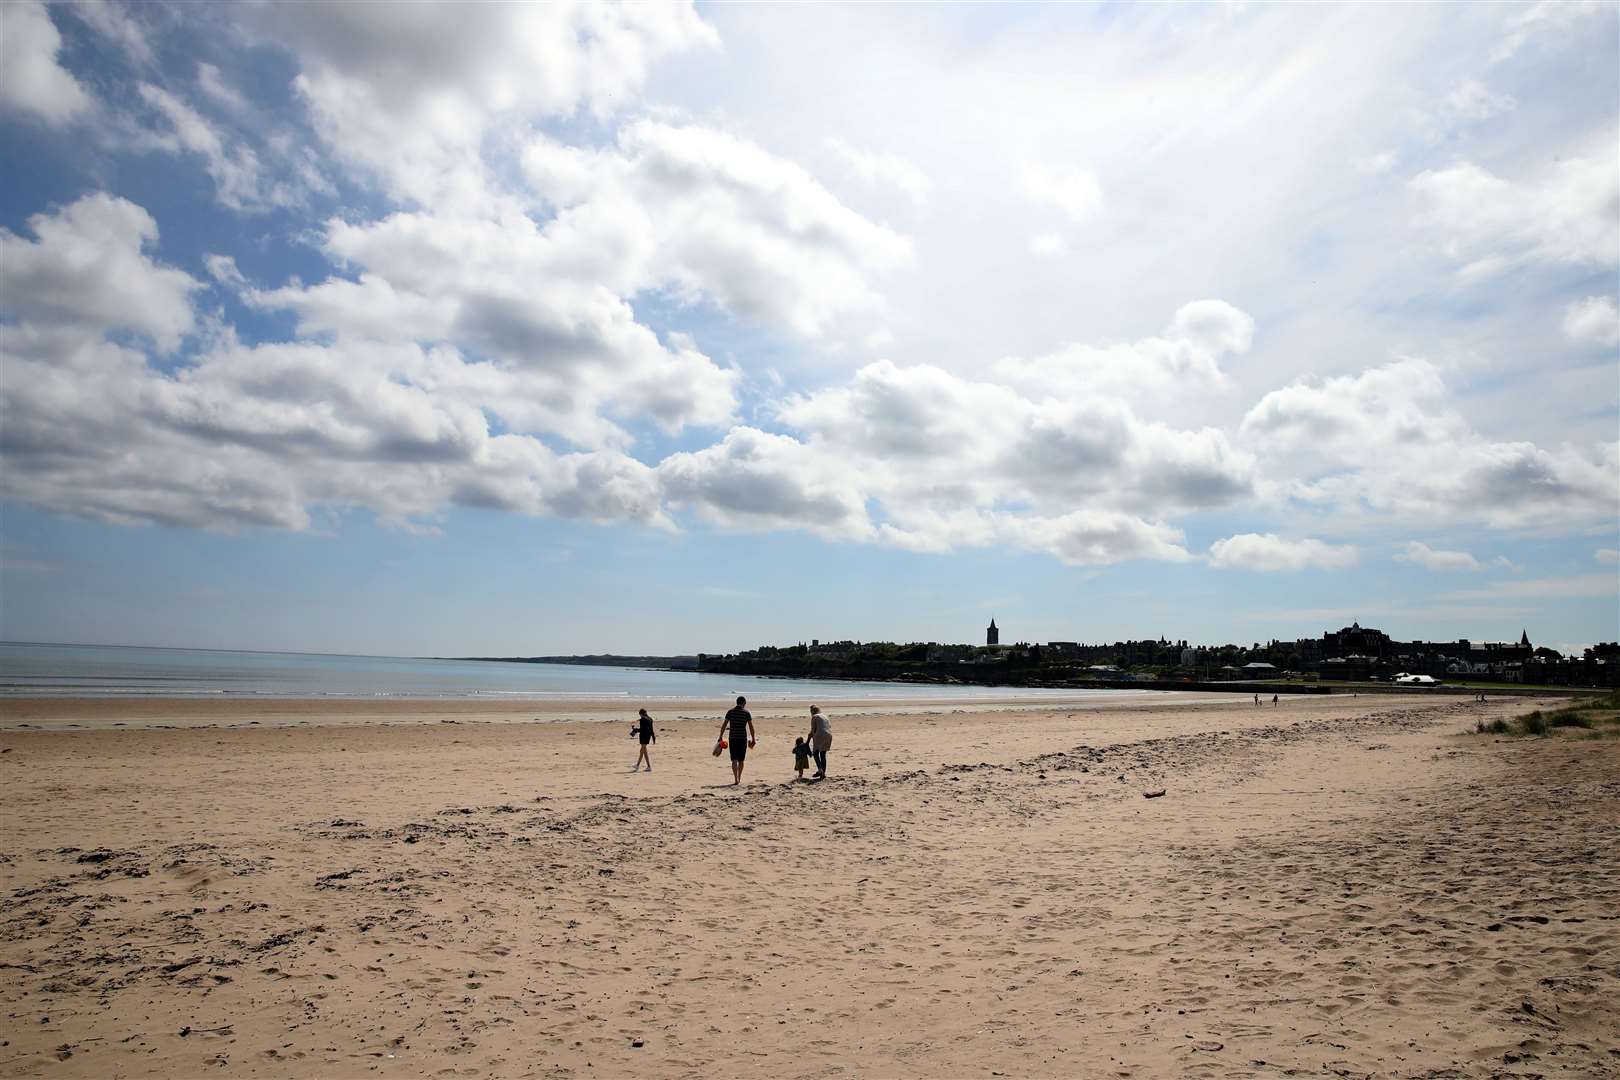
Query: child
{"x": 801, "y": 756}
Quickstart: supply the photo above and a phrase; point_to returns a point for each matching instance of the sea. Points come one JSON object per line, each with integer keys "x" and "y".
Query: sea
{"x": 31, "y": 669}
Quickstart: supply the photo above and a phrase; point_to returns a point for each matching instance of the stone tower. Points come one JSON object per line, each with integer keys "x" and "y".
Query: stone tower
{"x": 992, "y": 636}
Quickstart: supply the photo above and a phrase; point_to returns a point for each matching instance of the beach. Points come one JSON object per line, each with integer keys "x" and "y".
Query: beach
{"x": 1334, "y": 885}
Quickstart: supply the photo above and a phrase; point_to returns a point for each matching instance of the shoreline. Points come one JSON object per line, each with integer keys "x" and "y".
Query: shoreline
{"x": 110, "y": 712}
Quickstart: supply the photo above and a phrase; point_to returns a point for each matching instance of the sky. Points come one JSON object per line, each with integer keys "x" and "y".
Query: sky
{"x": 455, "y": 329}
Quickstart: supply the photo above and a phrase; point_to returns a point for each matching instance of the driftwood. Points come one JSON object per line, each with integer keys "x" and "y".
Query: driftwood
{"x": 1153, "y": 794}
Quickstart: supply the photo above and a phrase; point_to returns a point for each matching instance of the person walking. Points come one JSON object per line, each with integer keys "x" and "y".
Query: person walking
{"x": 820, "y": 741}
{"x": 644, "y": 732}
{"x": 740, "y": 725}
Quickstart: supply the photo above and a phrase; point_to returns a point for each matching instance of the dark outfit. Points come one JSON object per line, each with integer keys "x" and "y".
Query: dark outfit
{"x": 644, "y": 731}
{"x": 738, "y": 720}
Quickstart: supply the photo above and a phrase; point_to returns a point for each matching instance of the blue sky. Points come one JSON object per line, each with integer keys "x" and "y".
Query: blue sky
{"x": 524, "y": 329}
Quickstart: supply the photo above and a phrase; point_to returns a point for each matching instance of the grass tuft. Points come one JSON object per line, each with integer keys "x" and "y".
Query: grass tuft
{"x": 1598, "y": 716}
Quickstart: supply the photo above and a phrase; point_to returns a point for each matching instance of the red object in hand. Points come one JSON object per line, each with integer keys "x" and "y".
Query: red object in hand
{"x": 722, "y": 744}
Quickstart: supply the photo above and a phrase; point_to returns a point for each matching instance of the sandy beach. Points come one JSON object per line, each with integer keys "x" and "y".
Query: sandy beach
{"x": 1332, "y": 886}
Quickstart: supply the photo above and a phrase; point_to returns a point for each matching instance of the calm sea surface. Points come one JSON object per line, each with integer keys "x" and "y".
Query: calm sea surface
{"x": 110, "y": 670}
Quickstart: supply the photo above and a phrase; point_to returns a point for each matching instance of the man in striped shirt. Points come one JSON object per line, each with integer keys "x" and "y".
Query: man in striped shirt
{"x": 740, "y": 725}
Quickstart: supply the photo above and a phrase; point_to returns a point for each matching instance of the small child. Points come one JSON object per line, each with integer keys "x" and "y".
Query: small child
{"x": 801, "y": 756}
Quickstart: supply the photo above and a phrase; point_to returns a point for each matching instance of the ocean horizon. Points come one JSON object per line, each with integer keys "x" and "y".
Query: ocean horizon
{"x": 49, "y": 669}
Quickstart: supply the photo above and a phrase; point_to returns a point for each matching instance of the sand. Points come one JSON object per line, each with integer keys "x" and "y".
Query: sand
{"x": 1334, "y": 886}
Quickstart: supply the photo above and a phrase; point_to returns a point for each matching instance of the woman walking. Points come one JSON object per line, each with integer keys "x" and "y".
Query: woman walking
{"x": 644, "y": 732}
{"x": 820, "y": 741}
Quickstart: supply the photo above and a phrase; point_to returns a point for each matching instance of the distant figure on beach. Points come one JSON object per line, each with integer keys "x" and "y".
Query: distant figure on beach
{"x": 820, "y": 741}
{"x": 644, "y": 732}
{"x": 1274, "y": 699}
{"x": 741, "y": 727}
{"x": 801, "y": 757}
{"x": 1257, "y": 699}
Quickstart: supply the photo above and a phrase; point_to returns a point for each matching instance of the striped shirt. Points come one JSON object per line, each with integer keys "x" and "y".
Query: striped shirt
{"x": 739, "y": 719}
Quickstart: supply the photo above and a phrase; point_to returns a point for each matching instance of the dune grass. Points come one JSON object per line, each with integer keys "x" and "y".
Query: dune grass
{"x": 1598, "y": 717}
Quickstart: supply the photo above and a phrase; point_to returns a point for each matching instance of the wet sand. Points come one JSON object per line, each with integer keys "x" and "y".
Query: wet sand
{"x": 1335, "y": 886}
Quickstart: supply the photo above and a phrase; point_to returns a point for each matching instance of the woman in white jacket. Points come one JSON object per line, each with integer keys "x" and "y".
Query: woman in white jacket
{"x": 820, "y": 739}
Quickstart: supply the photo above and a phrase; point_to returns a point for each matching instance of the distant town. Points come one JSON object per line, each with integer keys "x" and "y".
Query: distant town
{"x": 1349, "y": 655}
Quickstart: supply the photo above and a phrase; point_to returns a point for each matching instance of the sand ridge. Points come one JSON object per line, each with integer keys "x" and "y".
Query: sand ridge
{"x": 1344, "y": 888}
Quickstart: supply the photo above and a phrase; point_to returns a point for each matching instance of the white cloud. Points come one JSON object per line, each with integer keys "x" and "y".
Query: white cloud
{"x": 884, "y": 167}
{"x": 1270, "y": 553}
{"x": 222, "y": 268}
{"x": 1567, "y": 216}
{"x": 31, "y": 79}
{"x": 211, "y": 81}
{"x": 87, "y": 274}
{"x": 113, "y": 22}
{"x": 1187, "y": 356}
{"x": 237, "y": 175}
{"x": 408, "y": 95}
{"x": 259, "y": 436}
{"x": 754, "y": 479}
{"x": 1384, "y": 441}
{"x": 546, "y": 353}
{"x": 1607, "y": 555}
{"x": 1074, "y": 191}
{"x": 704, "y": 213}
{"x": 1442, "y": 561}
{"x": 1593, "y": 321}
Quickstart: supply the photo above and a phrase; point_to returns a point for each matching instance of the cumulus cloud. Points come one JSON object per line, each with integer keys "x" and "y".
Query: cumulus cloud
{"x": 706, "y": 214}
{"x": 1271, "y": 553}
{"x": 546, "y": 353}
{"x": 260, "y": 435}
{"x": 87, "y": 273}
{"x": 1383, "y": 440}
{"x": 1443, "y": 561}
{"x": 754, "y": 479}
{"x": 409, "y": 95}
{"x": 1593, "y": 321}
{"x": 1569, "y": 215}
{"x": 31, "y": 78}
{"x": 1188, "y": 354}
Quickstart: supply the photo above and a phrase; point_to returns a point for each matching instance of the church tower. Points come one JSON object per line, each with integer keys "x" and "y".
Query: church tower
{"x": 992, "y": 636}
